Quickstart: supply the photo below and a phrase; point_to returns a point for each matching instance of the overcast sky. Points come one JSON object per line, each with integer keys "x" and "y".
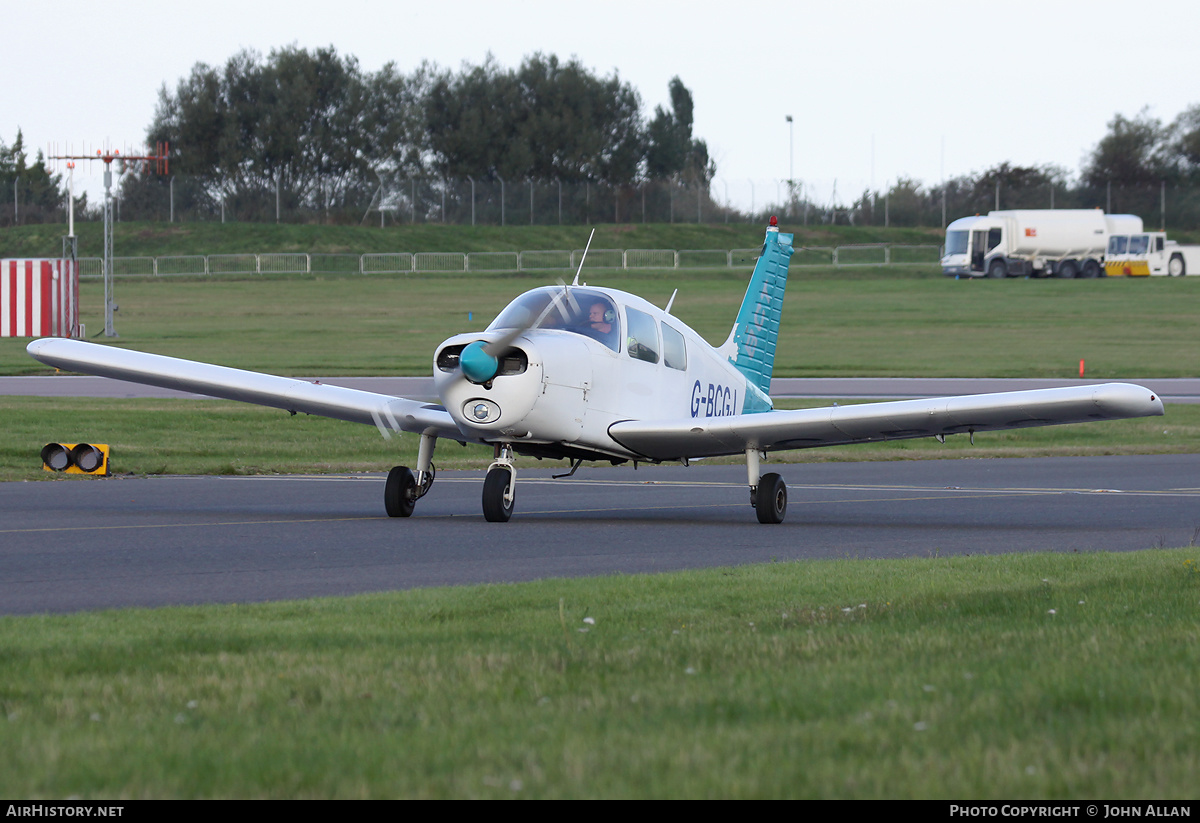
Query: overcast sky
{"x": 878, "y": 90}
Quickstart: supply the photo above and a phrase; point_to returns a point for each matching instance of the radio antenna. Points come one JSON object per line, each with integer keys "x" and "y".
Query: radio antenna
{"x": 575, "y": 282}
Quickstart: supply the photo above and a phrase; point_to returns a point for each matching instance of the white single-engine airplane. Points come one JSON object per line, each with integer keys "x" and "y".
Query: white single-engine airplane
{"x": 586, "y": 373}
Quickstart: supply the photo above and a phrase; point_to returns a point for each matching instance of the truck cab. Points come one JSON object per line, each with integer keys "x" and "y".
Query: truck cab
{"x": 969, "y": 240}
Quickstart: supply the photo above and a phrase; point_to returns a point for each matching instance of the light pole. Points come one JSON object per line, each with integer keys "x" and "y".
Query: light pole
{"x": 791, "y": 163}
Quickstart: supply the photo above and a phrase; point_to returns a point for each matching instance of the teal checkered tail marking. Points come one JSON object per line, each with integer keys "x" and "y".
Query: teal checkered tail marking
{"x": 751, "y": 345}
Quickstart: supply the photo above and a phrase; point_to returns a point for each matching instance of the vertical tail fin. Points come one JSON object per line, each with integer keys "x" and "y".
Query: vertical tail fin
{"x": 751, "y": 344}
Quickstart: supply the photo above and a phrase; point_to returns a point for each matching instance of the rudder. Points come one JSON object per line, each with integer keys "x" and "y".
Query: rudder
{"x": 751, "y": 344}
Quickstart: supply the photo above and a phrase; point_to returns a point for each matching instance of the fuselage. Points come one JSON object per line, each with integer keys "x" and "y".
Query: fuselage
{"x": 588, "y": 357}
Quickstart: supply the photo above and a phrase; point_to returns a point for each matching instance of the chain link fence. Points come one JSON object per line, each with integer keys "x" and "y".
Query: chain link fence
{"x": 423, "y": 200}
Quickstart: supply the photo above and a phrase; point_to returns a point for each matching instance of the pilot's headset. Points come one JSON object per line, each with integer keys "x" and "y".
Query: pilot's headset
{"x": 610, "y": 316}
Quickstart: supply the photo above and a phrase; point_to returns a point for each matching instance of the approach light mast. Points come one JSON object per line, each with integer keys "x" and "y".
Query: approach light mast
{"x": 107, "y": 156}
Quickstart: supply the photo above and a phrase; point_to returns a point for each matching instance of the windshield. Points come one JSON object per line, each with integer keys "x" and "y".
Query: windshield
{"x": 572, "y": 309}
{"x": 1139, "y": 243}
{"x": 1117, "y": 244}
{"x": 956, "y": 242}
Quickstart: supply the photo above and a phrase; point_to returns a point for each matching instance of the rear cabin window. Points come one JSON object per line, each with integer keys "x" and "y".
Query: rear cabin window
{"x": 674, "y": 351}
{"x": 643, "y": 336}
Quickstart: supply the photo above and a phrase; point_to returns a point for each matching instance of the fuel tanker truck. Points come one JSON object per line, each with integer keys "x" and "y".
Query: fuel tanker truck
{"x": 1033, "y": 243}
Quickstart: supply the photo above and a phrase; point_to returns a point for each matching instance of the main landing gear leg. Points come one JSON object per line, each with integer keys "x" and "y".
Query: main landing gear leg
{"x": 403, "y": 489}
{"x": 768, "y": 493}
{"x": 500, "y": 486}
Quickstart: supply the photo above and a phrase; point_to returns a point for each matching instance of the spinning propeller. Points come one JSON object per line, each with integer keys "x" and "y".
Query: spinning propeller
{"x": 480, "y": 361}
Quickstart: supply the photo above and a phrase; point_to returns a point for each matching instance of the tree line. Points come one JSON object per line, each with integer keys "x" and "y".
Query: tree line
{"x": 304, "y": 133}
{"x": 303, "y": 129}
{"x": 29, "y": 193}
{"x": 1140, "y": 166}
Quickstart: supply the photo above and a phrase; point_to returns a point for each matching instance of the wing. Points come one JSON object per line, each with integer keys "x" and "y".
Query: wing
{"x": 381, "y": 410}
{"x": 868, "y": 422}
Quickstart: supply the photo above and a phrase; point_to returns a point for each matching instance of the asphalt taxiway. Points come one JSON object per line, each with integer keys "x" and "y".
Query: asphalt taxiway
{"x": 91, "y": 543}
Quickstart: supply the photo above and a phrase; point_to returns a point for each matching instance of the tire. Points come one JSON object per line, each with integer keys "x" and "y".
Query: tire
{"x": 1067, "y": 270}
{"x": 997, "y": 268}
{"x": 495, "y": 508}
{"x": 1176, "y": 267}
{"x": 400, "y": 492}
{"x": 770, "y": 503}
{"x": 1092, "y": 269}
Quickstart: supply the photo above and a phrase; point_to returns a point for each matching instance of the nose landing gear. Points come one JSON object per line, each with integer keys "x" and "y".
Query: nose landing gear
{"x": 500, "y": 486}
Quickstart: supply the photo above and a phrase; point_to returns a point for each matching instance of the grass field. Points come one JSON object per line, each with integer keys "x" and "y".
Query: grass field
{"x": 150, "y": 436}
{"x": 158, "y": 239}
{"x": 836, "y": 322}
{"x": 1035, "y": 676}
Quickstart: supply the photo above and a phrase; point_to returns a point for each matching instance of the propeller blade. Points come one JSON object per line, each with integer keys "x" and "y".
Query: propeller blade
{"x": 480, "y": 361}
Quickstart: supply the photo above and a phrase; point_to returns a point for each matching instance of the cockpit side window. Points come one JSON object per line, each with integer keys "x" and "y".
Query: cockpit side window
{"x": 643, "y": 336}
{"x": 674, "y": 350}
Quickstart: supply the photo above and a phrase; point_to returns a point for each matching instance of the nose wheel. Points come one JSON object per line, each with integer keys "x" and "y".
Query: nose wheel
{"x": 500, "y": 487}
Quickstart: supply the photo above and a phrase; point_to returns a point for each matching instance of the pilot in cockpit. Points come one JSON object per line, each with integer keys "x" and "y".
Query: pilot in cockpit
{"x": 600, "y": 320}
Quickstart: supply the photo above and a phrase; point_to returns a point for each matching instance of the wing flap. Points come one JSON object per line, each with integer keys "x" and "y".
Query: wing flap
{"x": 381, "y": 410}
{"x": 897, "y": 420}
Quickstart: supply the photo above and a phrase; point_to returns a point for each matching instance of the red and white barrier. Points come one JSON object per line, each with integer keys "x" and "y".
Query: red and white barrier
{"x": 39, "y": 298}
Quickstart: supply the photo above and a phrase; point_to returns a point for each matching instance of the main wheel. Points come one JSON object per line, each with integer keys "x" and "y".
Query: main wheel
{"x": 400, "y": 492}
{"x": 1092, "y": 269}
{"x": 997, "y": 268}
{"x": 770, "y": 503}
{"x": 1176, "y": 267}
{"x": 1067, "y": 270}
{"x": 495, "y": 508}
